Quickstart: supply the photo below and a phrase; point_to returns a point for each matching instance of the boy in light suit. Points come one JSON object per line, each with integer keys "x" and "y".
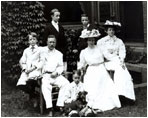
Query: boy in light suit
{"x": 31, "y": 66}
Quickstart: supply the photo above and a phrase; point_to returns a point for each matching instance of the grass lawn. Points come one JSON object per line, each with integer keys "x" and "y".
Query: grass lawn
{"x": 15, "y": 104}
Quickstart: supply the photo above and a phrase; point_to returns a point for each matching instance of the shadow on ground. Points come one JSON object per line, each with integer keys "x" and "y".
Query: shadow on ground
{"x": 14, "y": 103}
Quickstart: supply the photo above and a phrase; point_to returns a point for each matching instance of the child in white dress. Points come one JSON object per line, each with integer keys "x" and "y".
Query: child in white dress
{"x": 72, "y": 93}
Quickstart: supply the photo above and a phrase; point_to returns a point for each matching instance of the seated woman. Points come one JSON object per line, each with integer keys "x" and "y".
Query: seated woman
{"x": 102, "y": 94}
{"x": 114, "y": 52}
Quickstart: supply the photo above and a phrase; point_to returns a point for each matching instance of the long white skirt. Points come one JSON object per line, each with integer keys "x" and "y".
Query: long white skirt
{"x": 122, "y": 79}
{"x": 101, "y": 89}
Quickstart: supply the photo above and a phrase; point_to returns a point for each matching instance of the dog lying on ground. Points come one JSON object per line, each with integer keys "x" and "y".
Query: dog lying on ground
{"x": 72, "y": 109}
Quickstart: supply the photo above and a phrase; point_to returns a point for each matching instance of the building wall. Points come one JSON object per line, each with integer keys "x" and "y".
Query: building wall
{"x": 145, "y": 21}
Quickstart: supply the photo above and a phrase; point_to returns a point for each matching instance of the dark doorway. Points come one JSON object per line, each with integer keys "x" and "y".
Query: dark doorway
{"x": 70, "y": 10}
{"x": 131, "y": 14}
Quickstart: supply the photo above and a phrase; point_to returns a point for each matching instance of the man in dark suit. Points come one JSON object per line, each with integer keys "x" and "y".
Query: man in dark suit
{"x": 56, "y": 29}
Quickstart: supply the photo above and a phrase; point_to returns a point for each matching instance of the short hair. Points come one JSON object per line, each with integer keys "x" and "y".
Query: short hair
{"x": 84, "y": 15}
{"x": 53, "y": 11}
{"x": 33, "y": 34}
{"x": 51, "y": 36}
{"x": 78, "y": 72}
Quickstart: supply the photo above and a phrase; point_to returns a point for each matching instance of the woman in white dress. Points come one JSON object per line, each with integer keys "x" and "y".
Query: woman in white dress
{"x": 114, "y": 52}
{"x": 102, "y": 94}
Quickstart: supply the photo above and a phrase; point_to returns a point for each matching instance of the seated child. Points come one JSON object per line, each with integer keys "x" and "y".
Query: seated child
{"x": 31, "y": 66}
{"x": 75, "y": 96}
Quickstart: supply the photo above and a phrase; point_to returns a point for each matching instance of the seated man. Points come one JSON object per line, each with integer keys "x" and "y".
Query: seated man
{"x": 31, "y": 67}
{"x": 52, "y": 69}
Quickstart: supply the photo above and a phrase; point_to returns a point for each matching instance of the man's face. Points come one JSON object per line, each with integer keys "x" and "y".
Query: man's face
{"x": 110, "y": 31}
{"x": 56, "y": 16}
{"x": 32, "y": 40}
{"x": 51, "y": 43}
{"x": 84, "y": 21}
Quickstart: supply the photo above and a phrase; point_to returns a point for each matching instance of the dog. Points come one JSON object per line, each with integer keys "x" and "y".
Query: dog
{"x": 72, "y": 109}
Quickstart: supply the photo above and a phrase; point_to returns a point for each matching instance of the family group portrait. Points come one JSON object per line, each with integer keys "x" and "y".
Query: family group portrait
{"x": 73, "y": 58}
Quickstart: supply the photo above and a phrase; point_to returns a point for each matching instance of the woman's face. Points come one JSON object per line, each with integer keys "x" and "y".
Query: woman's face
{"x": 91, "y": 42}
{"x": 110, "y": 31}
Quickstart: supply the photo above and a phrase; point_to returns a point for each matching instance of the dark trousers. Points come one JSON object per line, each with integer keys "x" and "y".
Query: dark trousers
{"x": 29, "y": 88}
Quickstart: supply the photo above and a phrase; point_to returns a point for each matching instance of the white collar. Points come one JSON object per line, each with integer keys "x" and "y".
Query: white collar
{"x": 55, "y": 23}
{"x": 50, "y": 51}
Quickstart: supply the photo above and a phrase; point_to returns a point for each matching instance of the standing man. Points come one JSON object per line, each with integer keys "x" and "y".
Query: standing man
{"x": 56, "y": 29}
{"x": 52, "y": 69}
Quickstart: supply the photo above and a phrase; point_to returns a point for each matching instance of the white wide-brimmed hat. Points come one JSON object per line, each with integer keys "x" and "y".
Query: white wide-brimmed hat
{"x": 114, "y": 24}
{"x": 90, "y": 33}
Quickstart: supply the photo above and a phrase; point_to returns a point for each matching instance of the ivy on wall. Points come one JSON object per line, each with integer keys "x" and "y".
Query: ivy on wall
{"x": 17, "y": 20}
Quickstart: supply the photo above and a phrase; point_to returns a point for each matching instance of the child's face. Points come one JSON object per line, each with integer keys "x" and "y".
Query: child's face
{"x": 110, "y": 31}
{"x": 56, "y": 16}
{"x": 84, "y": 21}
{"x": 32, "y": 40}
{"x": 76, "y": 78}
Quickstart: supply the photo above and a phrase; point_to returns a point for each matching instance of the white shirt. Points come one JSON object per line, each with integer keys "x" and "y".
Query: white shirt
{"x": 112, "y": 47}
{"x": 55, "y": 25}
{"x": 52, "y": 60}
{"x": 72, "y": 91}
{"x": 31, "y": 58}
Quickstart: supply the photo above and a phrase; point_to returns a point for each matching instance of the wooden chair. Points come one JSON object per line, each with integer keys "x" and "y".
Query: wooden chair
{"x": 55, "y": 92}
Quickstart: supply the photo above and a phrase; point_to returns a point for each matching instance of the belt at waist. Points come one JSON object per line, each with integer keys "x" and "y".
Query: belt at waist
{"x": 47, "y": 72}
{"x": 97, "y": 64}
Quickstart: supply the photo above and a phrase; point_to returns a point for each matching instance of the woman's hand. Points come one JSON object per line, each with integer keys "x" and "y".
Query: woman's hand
{"x": 122, "y": 64}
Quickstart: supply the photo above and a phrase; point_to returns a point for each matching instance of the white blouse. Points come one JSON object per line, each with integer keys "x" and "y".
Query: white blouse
{"x": 112, "y": 47}
{"x": 90, "y": 56}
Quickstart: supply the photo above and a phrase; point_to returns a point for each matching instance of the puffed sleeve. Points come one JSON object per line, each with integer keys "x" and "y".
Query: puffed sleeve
{"x": 122, "y": 51}
{"x": 82, "y": 62}
{"x": 23, "y": 60}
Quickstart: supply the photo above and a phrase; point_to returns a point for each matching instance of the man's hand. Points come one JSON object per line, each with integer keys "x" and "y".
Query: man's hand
{"x": 54, "y": 75}
{"x": 30, "y": 70}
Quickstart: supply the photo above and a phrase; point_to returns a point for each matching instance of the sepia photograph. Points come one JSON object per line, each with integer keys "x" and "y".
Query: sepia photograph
{"x": 73, "y": 58}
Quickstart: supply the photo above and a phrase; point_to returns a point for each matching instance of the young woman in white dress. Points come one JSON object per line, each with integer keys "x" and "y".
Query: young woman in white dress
{"x": 102, "y": 94}
{"x": 114, "y": 52}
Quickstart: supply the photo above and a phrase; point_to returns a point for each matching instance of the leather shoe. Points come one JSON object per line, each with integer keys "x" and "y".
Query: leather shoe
{"x": 50, "y": 114}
